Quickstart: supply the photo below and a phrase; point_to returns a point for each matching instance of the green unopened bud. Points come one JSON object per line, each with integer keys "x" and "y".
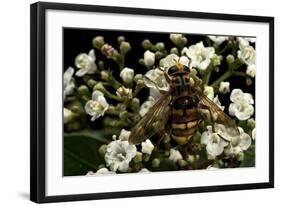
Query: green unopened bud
{"x": 121, "y": 107}
{"x": 138, "y": 77}
{"x": 146, "y": 157}
{"x": 98, "y": 42}
{"x": 102, "y": 150}
{"x": 101, "y": 65}
{"x": 182, "y": 163}
{"x": 100, "y": 87}
{"x": 146, "y": 44}
{"x": 123, "y": 115}
{"x": 104, "y": 75}
{"x": 197, "y": 157}
{"x": 166, "y": 138}
{"x": 140, "y": 83}
{"x": 230, "y": 59}
{"x": 91, "y": 83}
{"x": 83, "y": 90}
{"x": 251, "y": 123}
{"x": 138, "y": 157}
{"x": 155, "y": 162}
{"x": 136, "y": 118}
{"x": 141, "y": 61}
{"x": 158, "y": 55}
{"x": 125, "y": 47}
{"x": 160, "y": 46}
{"x": 174, "y": 50}
{"x": 120, "y": 39}
{"x": 241, "y": 156}
{"x": 135, "y": 104}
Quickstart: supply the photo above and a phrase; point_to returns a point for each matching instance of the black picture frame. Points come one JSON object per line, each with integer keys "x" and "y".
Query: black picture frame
{"x": 38, "y": 101}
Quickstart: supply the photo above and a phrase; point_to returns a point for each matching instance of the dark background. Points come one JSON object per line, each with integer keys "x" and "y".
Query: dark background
{"x": 78, "y": 41}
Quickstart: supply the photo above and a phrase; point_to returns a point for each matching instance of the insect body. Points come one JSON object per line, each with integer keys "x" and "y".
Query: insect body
{"x": 180, "y": 109}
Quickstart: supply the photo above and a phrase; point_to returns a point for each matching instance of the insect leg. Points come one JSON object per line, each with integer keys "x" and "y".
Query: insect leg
{"x": 205, "y": 107}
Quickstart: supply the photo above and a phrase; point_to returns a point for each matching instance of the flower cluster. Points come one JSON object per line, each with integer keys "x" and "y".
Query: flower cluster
{"x": 105, "y": 97}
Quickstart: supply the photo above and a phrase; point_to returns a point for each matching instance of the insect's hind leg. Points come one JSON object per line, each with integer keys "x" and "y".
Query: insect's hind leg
{"x": 208, "y": 119}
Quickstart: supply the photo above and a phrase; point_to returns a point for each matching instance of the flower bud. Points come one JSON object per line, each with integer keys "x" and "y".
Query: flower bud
{"x": 98, "y": 42}
{"x": 68, "y": 115}
{"x": 155, "y": 162}
{"x": 100, "y": 87}
{"x": 91, "y": 83}
{"x": 138, "y": 77}
{"x": 160, "y": 46}
{"x": 124, "y": 92}
{"x": 191, "y": 158}
{"x": 230, "y": 59}
{"x": 123, "y": 115}
{"x": 146, "y": 157}
{"x": 127, "y": 75}
{"x": 216, "y": 60}
{"x": 104, "y": 75}
{"x": 251, "y": 123}
{"x": 138, "y": 157}
{"x": 120, "y": 39}
{"x": 125, "y": 47}
{"x": 182, "y": 163}
{"x": 166, "y": 138}
{"x": 102, "y": 150}
{"x": 174, "y": 51}
{"x": 149, "y": 58}
{"x": 83, "y": 90}
{"x": 178, "y": 39}
{"x": 158, "y": 55}
{"x": 146, "y": 44}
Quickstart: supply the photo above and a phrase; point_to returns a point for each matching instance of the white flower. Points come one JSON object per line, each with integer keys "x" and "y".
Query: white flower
{"x": 238, "y": 143}
{"x": 147, "y": 147}
{"x": 224, "y": 87}
{"x": 251, "y": 70}
{"x": 247, "y": 54}
{"x": 97, "y": 106}
{"x": 68, "y": 82}
{"x": 171, "y": 59}
{"x": 175, "y": 155}
{"x": 209, "y": 92}
{"x": 214, "y": 140}
{"x": 200, "y": 55}
{"x": 218, "y": 39}
{"x": 67, "y": 115}
{"x": 119, "y": 154}
{"x": 242, "y": 104}
{"x": 243, "y": 42}
{"x": 127, "y": 75}
{"x": 100, "y": 172}
{"x": 149, "y": 58}
{"x": 254, "y": 134}
{"x": 86, "y": 63}
{"x": 124, "y": 92}
{"x": 155, "y": 78}
{"x": 144, "y": 108}
{"x": 124, "y": 135}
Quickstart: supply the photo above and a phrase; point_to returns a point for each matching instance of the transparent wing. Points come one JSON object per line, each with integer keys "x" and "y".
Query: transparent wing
{"x": 217, "y": 114}
{"x": 153, "y": 121}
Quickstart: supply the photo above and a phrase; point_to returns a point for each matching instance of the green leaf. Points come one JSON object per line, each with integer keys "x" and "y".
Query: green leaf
{"x": 81, "y": 151}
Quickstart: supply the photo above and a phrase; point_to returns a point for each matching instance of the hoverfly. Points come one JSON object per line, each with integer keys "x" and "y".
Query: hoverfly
{"x": 184, "y": 105}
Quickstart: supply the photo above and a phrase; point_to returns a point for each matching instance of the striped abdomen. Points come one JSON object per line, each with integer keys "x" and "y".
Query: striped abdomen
{"x": 184, "y": 119}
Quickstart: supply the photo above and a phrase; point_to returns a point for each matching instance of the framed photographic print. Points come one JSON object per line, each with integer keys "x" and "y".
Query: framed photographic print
{"x": 129, "y": 102}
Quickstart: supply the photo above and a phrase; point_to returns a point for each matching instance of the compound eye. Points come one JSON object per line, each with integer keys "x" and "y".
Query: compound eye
{"x": 186, "y": 69}
{"x": 172, "y": 70}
